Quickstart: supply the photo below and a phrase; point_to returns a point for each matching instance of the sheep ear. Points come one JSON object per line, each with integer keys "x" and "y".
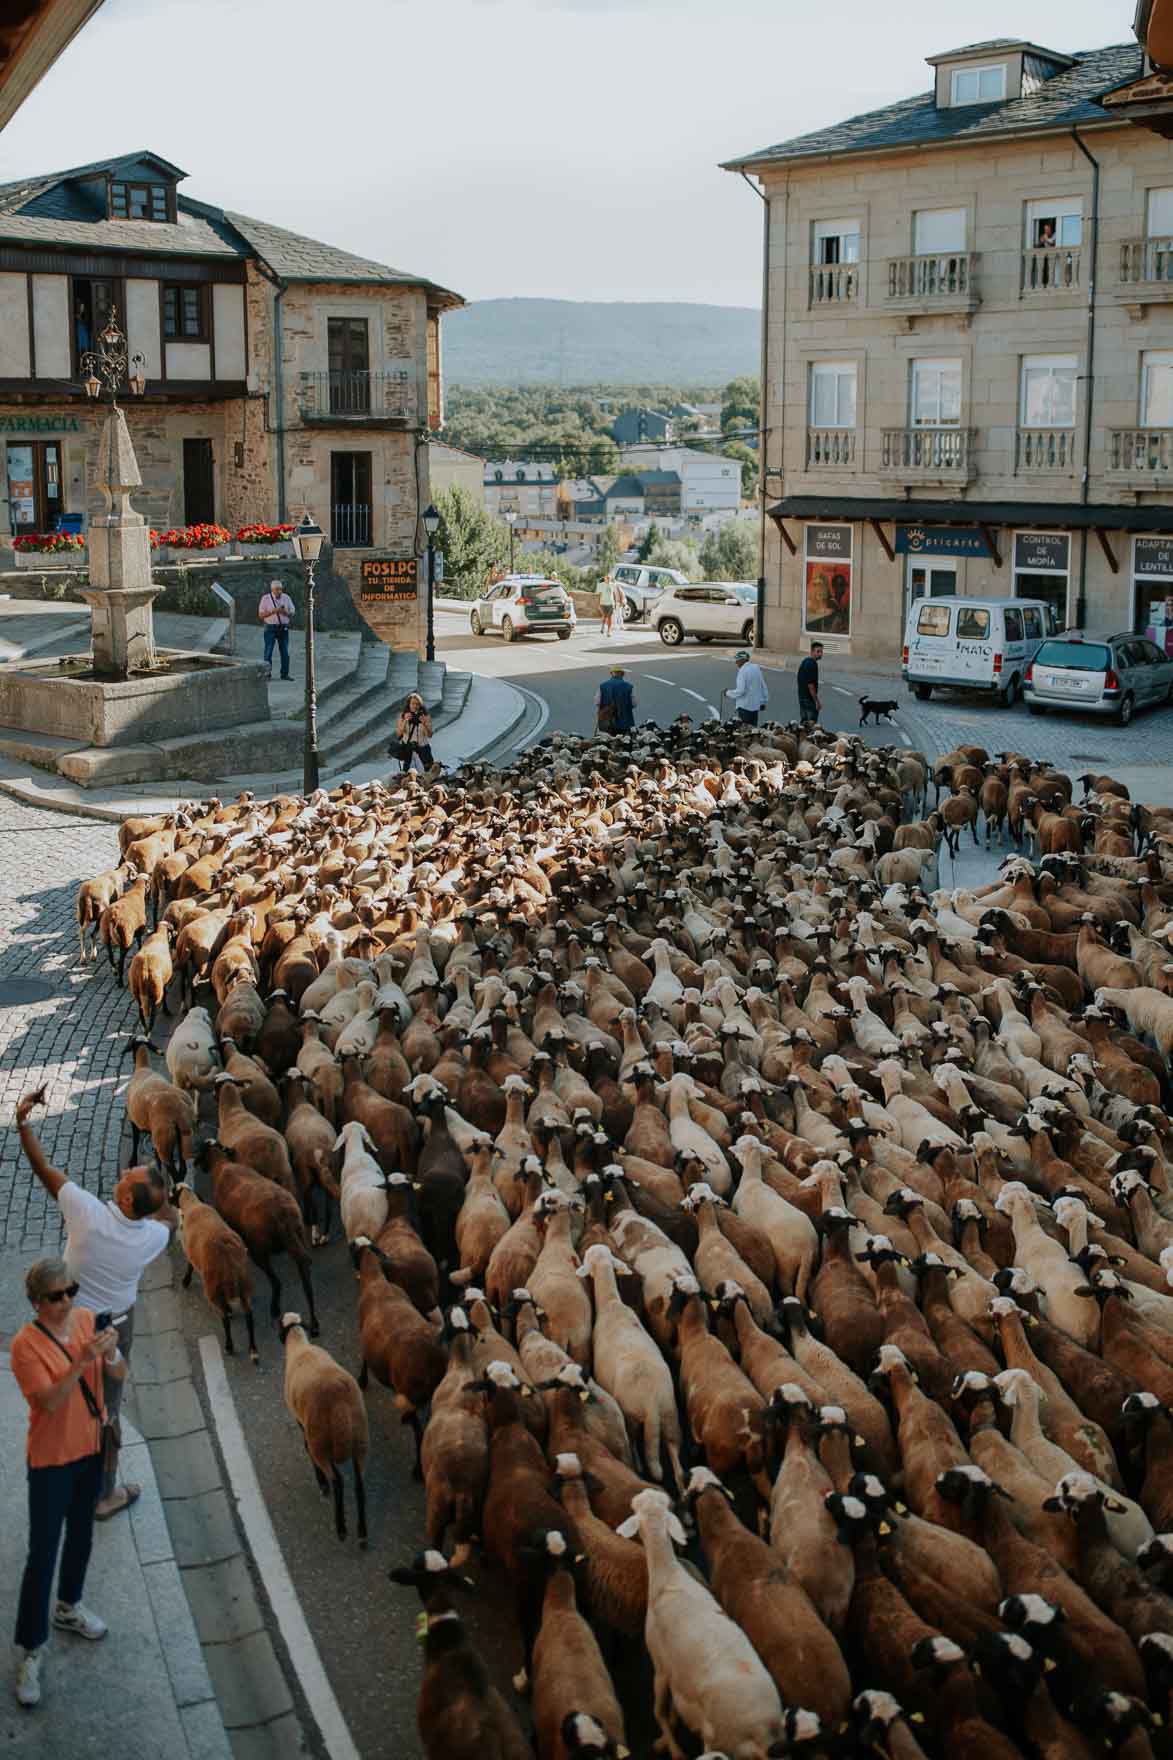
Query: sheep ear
{"x": 629, "y": 1530}
{"x": 676, "y": 1532}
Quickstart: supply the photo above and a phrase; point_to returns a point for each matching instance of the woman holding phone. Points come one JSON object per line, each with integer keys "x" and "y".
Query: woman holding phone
{"x": 59, "y": 1360}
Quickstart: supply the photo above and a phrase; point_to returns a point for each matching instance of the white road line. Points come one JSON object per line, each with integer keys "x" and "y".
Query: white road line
{"x": 843, "y": 691}
{"x": 696, "y": 694}
{"x": 656, "y": 679}
{"x": 270, "y": 1562}
{"x": 714, "y": 712}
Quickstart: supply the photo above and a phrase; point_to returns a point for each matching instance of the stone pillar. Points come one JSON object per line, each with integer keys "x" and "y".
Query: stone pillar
{"x": 120, "y": 593}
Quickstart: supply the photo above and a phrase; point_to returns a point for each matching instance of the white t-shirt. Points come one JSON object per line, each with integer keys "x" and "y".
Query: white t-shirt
{"x": 107, "y": 1252}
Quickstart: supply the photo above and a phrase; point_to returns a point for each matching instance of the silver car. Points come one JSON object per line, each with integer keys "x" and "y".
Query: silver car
{"x": 1102, "y": 675}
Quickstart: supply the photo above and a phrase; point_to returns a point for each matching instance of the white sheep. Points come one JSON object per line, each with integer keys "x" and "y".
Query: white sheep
{"x": 191, "y": 1057}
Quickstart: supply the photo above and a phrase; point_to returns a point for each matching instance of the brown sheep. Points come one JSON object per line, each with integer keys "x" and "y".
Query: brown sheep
{"x": 217, "y": 1252}
{"x": 328, "y": 1406}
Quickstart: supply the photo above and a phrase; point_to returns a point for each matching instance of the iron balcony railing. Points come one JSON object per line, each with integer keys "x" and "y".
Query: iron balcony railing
{"x": 350, "y": 526}
{"x": 830, "y": 449}
{"x": 1051, "y": 269}
{"x": 347, "y": 396}
{"x": 1146, "y": 260}
{"x": 1045, "y": 451}
{"x": 928, "y": 452}
{"x": 940, "y": 278}
{"x": 1141, "y": 452}
{"x": 834, "y": 284}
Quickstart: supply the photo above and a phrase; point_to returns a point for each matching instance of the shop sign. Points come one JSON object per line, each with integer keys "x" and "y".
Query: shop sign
{"x": 1042, "y": 553}
{"x": 826, "y": 608}
{"x": 941, "y": 541}
{"x": 40, "y": 425}
{"x": 1153, "y": 556}
{"x": 390, "y": 580}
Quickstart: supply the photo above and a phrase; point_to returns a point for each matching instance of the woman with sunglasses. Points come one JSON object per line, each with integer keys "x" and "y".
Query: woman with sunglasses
{"x": 58, "y": 1361}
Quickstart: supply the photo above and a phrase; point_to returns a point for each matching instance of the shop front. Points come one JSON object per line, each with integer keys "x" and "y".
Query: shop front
{"x": 932, "y": 555}
{"x": 1042, "y": 570}
{"x": 1152, "y": 589}
{"x": 35, "y": 486}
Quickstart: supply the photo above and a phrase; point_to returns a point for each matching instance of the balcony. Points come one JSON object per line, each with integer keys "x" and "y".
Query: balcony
{"x": 929, "y": 455}
{"x": 350, "y": 526}
{"x": 1050, "y": 269}
{"x": 1146, "y": 272}
{"x": 356, "y": 397}
{"x": 830, "y": 449}
{"x": 1143, "y": 455}
{"x": 834, "y": 284}
{"x": 943, "y": 281}
{"x": 1045, "y": 452}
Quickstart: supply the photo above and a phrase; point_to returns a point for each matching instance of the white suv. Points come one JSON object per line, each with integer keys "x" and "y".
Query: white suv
{"x": 709, "y": 610}
{"x": 642, "y": 587}
{"x": 524, "y": 605}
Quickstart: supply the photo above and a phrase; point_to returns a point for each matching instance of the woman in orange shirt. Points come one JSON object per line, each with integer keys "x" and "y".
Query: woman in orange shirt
{"x": 57, "y": 1360}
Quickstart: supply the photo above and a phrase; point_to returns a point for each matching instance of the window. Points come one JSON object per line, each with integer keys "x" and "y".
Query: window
{"x": 933, "y": 620}
{"x": 1161, "y": 213}
{"x": 1156, "y": 390}
{"x": 936, "y": 394}
{"x": 1032, "y": 623}
{"x": 1012, "y": 622}
{"x": 93, "y": 302}
{"x": 349, "y": 352}
{"x": 979, "y": 85}
{"x": 1055, "y": 222}
{"x": 1048, "y": 391}
{"x": 936, "y": 231}
{"x": 1082, "y": 656}
{"x": 972, "y": 625}
{"x": 185, "y": 312}
{"x": 836, "y": 241}
{"x": 139, "y": 201}
{"x": 833, "y": 394}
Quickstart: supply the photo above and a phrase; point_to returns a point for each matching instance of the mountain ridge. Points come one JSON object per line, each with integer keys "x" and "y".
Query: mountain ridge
{"x": 522, "y": 341}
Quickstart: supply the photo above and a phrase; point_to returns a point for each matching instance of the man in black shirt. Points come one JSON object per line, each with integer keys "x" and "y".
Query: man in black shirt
{"x": 809, "y": 702}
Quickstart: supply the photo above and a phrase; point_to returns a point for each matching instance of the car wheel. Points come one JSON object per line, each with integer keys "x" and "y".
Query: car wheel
{"x": 1035, "y": 709}
{"x": 629, "y": 611}
{"x": 1012, "y": 692}
{"x": 507, "y": 629}
{"x": 1124, "y": 713}
{"x": 747, "y": 632}
{"x": 563, "y": 635}
{"x": 474, "y": 624}
{"x": 671, "y": 632}
{"x": 923, "y": 692}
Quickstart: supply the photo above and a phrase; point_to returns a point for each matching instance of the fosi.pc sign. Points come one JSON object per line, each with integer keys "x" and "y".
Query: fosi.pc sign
{"x": 390, "y": 580}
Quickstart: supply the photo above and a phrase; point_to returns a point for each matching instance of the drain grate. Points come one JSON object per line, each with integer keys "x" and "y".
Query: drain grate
{"x": 17, "y": 991}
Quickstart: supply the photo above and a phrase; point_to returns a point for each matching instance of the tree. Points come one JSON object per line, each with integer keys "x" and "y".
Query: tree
{"x": 471, "y": 542}
{"x": 739, "y": 405}
{"x": 677, "y": 553}
{"x": 649, "y": 543}
{"x": 747, "y": 458}
{"x": 731, "y": 554}
{"x": 607, "y": 555}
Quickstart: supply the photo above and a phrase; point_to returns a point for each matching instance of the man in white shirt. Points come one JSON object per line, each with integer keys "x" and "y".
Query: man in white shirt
{"x": 276, "y": 614}
{"x": 749, "y": 694}
{"x": 109, "y": 1245}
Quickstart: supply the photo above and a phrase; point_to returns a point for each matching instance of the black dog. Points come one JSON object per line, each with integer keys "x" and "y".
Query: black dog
{"x": 876, "y": 706}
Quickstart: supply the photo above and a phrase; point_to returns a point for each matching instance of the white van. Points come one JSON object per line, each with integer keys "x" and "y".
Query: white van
{"x": 973, "y": 644}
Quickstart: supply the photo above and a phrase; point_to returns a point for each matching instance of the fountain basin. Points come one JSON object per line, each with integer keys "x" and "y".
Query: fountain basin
{"x": 183, "y": 694}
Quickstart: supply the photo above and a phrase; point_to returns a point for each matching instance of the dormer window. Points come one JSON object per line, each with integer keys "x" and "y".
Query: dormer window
{"x": 139, "y": 201}
{"x": 979, "y": 85}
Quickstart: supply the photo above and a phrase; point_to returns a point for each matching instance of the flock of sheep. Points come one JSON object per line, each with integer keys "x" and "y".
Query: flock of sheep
{"x": 770, "y": 1253}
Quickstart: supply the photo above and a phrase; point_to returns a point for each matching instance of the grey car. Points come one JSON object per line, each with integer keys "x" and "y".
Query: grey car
{"x": 1102, "y": 675}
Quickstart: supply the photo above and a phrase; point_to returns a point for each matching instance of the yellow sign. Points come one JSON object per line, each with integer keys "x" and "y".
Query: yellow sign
{"x": 390, "y": 580}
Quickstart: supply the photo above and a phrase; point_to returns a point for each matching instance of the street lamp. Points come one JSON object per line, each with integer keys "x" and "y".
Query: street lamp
{"x": 308, "y": 539}
{"x": 111, "y": 365}
{"x": 511, "y": 521}
{"x": 431, "y": 527}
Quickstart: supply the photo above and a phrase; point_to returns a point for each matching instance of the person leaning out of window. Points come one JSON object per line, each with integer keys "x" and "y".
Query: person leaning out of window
{"x": 58, "y": 1361}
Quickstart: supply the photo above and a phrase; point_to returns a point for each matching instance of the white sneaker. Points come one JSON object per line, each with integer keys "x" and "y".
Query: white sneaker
{"x": 28, "y": 1678}
{"x": 80, "y": 1621}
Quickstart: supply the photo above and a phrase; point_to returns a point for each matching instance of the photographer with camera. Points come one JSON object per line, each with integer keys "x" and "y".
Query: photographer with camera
{"x": 413, "y": 735}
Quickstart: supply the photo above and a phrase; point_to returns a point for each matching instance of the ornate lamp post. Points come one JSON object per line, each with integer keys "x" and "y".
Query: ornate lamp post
{"x": 307, "y": 542}
{"x": 109, "y": 366}
{"x": 431, "y": 527}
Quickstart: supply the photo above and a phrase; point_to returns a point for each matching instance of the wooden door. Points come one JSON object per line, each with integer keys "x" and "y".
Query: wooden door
{"x": 199, "y": 496}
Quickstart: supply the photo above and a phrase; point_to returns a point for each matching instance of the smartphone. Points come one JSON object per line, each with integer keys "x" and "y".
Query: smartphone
{"x": 102, "y": 1320}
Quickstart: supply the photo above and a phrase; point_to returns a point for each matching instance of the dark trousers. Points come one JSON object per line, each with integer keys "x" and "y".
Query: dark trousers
{"x": 749, "y": 716}
{"x": 59, "y": 1497}
{"x": 409, "y": 753}
{"x": 112, "y": 1394}
{"x": 277, "y": 636}
{"x": 807, "y": 711}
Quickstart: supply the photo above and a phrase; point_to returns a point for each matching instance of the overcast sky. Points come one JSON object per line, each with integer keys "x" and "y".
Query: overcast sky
{"x": 565, "y": 148}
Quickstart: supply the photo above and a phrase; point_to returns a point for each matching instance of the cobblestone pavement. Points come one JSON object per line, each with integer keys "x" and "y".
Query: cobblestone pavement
{"x": 58, "y": 1024}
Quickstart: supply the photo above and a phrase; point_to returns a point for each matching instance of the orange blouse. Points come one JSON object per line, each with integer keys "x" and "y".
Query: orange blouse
{"x": 69, "y": 1433}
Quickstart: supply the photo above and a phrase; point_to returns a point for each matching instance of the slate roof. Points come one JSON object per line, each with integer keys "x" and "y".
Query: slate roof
{"x": 996, "y": 43}
{"x": 1070, "y": 97}
{"x": 659, "y": 477}
{"x": 625, "y": 488}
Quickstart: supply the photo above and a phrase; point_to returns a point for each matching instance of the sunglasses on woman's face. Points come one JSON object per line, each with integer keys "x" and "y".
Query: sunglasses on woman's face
{"x": 60, "y": 1295}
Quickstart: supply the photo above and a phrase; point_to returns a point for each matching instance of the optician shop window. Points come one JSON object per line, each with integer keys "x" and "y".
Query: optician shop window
{"x": 1152, "y": 589}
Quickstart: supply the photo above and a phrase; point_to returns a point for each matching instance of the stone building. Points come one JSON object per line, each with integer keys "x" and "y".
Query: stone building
{"x": 968, "y": 334}
{"x": 281, "y": 373}
{"x": 518, "y": 486}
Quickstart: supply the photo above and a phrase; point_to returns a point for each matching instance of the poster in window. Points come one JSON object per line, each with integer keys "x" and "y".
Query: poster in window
{"x": 827, "y": 588}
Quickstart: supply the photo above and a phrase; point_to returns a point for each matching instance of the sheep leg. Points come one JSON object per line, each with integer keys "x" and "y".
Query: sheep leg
{"x": 262, "y": 1263}
{"x": 122, "y": 963}
{"x": 364, "y": 1375}
{"x": 136, "y": 1137}
{"x": 667, "y": 1743}
{"x": 973, "y": 828}
{"x": 254, "y": 1354}
{"x": 229, "y": 1347}
{"x": 339, "y": 1505}
{"x": 187, "y": 1276}
{"x": 360, "y": 1498}
{"x": 308, "y": 1286}
{"x": 413, "y": 1418}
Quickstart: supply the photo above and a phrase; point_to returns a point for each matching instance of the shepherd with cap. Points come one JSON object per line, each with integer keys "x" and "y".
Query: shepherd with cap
{"x": 749, "y": 694}
{"x": 615, "y": 704}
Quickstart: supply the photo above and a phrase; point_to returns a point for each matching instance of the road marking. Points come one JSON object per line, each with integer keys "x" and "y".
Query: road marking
{"x": 270, "y": 1562}
{"x": 843, "y": 691}
{"x": 656, "y": 679}
{"x": 696, "y": 694}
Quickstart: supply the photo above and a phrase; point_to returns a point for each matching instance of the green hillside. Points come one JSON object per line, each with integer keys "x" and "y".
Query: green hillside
{"x": 595, "y": 342}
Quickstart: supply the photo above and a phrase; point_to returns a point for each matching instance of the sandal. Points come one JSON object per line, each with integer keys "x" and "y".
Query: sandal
{"x": 129, "y": 1494}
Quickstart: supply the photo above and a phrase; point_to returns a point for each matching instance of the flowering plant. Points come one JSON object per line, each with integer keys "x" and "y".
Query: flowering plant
{"x": 50, "y": 543}
{"x": 262, "y": 534}
{"x": 202, "y": 537}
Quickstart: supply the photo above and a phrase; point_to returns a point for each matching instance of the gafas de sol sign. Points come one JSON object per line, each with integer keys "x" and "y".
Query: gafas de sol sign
{"x": 390, "y": 580}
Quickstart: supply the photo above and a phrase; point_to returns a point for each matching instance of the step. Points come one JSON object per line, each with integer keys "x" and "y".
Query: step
{"x": 337, "y": 660}
{"x": 456, "y": 691}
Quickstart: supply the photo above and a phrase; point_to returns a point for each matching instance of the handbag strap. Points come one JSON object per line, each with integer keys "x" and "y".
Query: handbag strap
{"x": 92, "y": 1405}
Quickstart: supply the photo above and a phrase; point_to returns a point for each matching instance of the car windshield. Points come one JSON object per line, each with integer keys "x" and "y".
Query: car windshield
{"x": 747, "y": 595}
{"x": 1082, "y": 656}
{"x": 539, "y": 590}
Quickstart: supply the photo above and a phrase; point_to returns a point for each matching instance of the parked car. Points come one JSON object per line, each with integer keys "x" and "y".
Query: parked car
{"x": 524, "y": 605}
{"x": 642, "y": 587}
{"x": 1102, "y": 675}
{"x": 972, "y": 644}
{"x": 708, "y": 610}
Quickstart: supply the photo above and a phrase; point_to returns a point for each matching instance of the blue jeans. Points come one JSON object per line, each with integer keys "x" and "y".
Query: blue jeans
{"x": 750, "y": 716}
{"x": 277, "y": 635}
{"x": 807, "y": 709}
{"x": 59, "y": 1497}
